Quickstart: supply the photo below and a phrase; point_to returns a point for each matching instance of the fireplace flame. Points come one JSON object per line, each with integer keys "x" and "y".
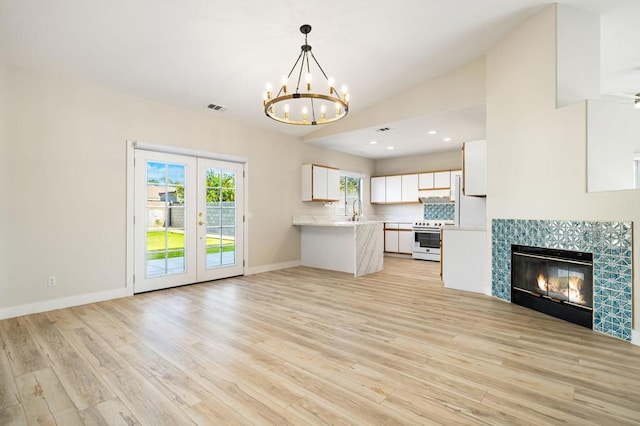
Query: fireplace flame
{"x": 575, "y": 287}
{"x": 542, "y": 282}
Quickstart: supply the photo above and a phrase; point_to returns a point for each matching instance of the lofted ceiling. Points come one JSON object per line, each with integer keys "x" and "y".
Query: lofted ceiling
{"x": 200, "y": 52}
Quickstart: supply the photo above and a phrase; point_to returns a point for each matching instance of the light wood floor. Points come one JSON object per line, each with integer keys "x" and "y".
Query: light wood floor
{"x": 305, "y": 346}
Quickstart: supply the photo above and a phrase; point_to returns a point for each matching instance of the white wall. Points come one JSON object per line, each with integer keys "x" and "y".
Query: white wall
{"x": 445, "y": 160}
{"x": 536, "y": 153}
{"x": 4, "y": 177}
{"x": 577, "y": 56}
{"x": 610, "y": 146}
{"x": 64, "y": 165}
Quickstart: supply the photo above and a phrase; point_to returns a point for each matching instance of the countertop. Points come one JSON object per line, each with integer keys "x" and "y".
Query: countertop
{"x": 319, "y": 220}
{"x": 464, "y": 228}
{"x": 341, "y": 223}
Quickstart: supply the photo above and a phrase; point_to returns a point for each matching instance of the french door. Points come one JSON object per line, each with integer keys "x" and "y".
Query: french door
{"x": 188, "y": 224}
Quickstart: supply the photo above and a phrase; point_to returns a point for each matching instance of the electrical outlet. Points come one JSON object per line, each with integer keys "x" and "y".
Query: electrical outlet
{"x": 52, "y": 281}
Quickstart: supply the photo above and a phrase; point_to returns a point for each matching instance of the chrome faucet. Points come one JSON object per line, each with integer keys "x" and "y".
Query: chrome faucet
{"x": 358, "y": 212}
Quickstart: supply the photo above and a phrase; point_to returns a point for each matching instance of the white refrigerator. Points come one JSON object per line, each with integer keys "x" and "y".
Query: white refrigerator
{"x": 469, "y": 211}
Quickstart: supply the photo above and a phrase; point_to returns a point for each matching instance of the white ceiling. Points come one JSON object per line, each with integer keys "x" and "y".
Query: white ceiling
{"x": 411, "y": 137}
{"x": 197, "y": 52}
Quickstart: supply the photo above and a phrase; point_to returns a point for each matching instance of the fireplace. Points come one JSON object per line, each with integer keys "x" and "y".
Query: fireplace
{"x": 553, "y": 281}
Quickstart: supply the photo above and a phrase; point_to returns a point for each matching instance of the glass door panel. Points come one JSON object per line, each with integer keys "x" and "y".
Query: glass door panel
{"x": 223, "y": 206}
{"x": 165, "y": 237}
{"x": 165, "y": 242}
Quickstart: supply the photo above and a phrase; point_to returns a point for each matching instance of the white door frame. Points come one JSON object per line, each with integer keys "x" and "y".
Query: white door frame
{"x": 130, "y": 205}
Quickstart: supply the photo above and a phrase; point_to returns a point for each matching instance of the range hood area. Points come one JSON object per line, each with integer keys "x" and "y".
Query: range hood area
{"x": 434, "y": 196}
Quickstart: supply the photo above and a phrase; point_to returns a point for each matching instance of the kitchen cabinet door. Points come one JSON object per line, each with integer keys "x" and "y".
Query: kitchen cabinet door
{"x": 333, "y": 184}
{"x": 425, "y": 180}
{"x": 378, "y": 189}
{"x": 320, "y": 183}
{"x": 410, "y": 188}
{"x": 474, "y": 168}
{"x": 391, "y": 241}
{"x": 442, "y": 180}
{"x": 394, "y": 189}
{"x": 405, "y": 241}
{"x": 454, "y": 175}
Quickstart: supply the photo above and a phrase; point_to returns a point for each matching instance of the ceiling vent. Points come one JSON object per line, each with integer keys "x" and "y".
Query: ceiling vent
{"x": 383, "y": 129}
{"x": 217, "y": 107}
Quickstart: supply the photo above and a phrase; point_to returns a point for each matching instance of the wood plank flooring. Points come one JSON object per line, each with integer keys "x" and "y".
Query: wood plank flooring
{"x": 305, "y": 346}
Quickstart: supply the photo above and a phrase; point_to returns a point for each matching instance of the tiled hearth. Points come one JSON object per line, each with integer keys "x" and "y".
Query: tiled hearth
{"x": 611, "y": 245}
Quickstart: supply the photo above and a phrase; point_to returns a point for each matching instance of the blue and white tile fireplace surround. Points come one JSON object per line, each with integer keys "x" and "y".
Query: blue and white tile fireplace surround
{"x": 611, "y": 245}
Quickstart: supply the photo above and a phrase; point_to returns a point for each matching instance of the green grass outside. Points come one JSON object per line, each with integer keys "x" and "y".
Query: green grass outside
{"x": 174, "y": 243}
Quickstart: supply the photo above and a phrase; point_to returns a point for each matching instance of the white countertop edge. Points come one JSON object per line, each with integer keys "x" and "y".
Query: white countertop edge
{"x": 464, "y": 228}
{"x": 337, "y": 223}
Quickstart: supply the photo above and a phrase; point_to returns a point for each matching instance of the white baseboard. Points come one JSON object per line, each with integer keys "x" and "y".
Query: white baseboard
{"x": 272, "y": 267}
{"x": 65, "y": 302}
{"x": 635, "y": 337}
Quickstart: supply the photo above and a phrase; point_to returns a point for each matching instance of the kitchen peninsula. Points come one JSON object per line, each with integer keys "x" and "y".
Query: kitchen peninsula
{"x": 355, "y": 247}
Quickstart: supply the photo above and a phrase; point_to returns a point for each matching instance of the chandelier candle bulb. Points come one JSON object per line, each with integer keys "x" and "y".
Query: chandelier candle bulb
{"x": 269, "y": 91}
{"x": 312, "y": 105}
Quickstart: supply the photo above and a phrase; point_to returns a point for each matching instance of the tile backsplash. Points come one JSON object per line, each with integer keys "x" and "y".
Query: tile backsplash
{"x": 439, "y": 211}
{"x": 611, "y": 245}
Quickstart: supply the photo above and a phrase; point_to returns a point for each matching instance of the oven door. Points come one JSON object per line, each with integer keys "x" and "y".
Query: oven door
{"x": 426, "y": 244}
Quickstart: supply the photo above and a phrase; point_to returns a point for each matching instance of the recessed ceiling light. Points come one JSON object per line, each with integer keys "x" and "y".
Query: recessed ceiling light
{"x": 447, "y": 139}
{"x": 391, "y": 147}
{"x": 433, "y": 132}
{"x": 373, "y": 142}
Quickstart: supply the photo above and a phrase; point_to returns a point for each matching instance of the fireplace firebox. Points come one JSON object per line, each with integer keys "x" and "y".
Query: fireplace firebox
{"x": 553, "y": 281}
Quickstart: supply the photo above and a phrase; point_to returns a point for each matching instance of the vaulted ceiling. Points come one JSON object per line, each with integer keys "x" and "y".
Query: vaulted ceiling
{"x": 200, "y": 52}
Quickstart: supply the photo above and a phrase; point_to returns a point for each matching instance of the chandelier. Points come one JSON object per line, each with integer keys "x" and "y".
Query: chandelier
{"x": 304, "y": 106}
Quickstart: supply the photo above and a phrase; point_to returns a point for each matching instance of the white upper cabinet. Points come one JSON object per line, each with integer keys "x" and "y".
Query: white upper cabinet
{"x": 474, "y": 167}
{"x": 425, "y": 181}
{"x": 406, "y": 188}
{"x": 378, "y": 189}
{"x": 454, "y": 175}
{"x": 394, "y": 189}
{"x": 333, "y": 184}
{"x": 320, "y": 183}
{"x": 442, "y": 180}
{"x": 410, "y": 188}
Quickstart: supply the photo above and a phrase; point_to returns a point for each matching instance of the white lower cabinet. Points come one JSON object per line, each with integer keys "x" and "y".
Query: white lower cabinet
{"x": 398, "y": 238}
{"x": 464, "y": 259}
{"x": 405, "y": 241}
{"x": 391, "y": 241}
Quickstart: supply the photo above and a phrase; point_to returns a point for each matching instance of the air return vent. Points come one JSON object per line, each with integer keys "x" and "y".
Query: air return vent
{"x": 217, "y": 107}
{"x": 383, "y": 129}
